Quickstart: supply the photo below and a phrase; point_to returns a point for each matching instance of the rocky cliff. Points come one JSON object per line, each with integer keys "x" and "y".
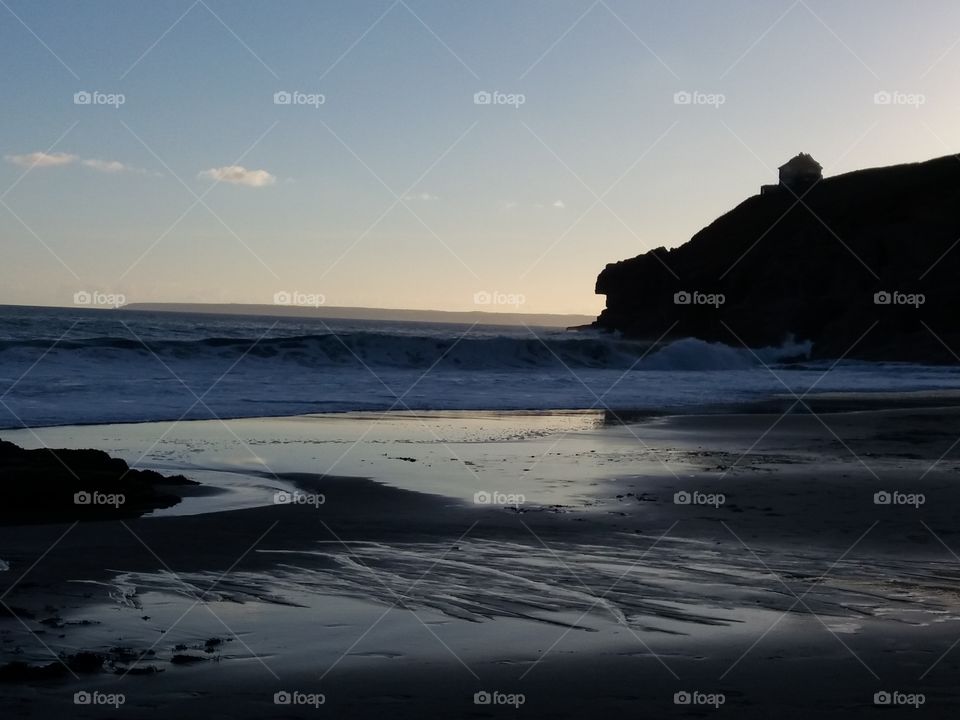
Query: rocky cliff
{"x": 874, "y": 251}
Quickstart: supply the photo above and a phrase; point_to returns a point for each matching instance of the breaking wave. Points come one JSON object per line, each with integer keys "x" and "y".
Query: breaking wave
{"x": 386, "y": 350}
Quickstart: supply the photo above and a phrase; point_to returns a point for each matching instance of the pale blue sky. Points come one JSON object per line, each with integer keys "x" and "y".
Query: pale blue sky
{"x": 492, "y": 197}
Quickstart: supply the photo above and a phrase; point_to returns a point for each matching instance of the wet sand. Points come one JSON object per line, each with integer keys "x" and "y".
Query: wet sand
{"x": 790, "y": 592}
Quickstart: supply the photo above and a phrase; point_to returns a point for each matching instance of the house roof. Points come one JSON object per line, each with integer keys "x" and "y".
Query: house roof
{"x": 803, "y": 161}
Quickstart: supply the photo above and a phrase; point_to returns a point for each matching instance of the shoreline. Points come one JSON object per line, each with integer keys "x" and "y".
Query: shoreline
{"x": 600, "y": 574}
{"x": 827, "y": 401}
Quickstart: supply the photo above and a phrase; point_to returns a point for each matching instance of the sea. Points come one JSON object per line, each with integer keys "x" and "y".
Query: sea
{"x": 89, "y": 366}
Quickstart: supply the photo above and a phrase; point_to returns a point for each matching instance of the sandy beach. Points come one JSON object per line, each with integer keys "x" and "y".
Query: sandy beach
{"x": 604, "y": 567}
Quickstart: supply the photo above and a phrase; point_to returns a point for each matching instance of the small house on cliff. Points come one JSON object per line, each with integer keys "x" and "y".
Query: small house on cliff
{"x": 797, "y": 175}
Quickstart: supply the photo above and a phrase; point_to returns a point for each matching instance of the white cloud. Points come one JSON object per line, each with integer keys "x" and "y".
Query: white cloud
{"x": 512, "y": 205}
{"x": 108, "y": 166}
{"x": 41, "y": 159}
{"x": 422, "y": 196}
{"x": 239, "y": 175}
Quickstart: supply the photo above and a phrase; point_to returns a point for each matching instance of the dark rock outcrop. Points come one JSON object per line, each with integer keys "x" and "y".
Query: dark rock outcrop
{"x": 45, "y": 486}
{"x": 818, "y": 266}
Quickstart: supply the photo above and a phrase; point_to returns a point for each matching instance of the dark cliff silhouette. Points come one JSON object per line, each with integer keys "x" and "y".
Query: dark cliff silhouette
{"x": 871, "y": 251}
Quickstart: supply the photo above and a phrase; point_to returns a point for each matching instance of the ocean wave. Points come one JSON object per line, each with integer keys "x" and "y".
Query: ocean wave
{"x": 693, "y": 354}
{"x": 386, "y": 350}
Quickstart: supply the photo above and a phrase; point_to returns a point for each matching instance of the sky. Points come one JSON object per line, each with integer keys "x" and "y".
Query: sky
{"x": 429, "y": 154}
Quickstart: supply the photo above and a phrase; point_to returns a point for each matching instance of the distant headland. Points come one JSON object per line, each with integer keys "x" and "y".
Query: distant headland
{"x": 325, "y": 312}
